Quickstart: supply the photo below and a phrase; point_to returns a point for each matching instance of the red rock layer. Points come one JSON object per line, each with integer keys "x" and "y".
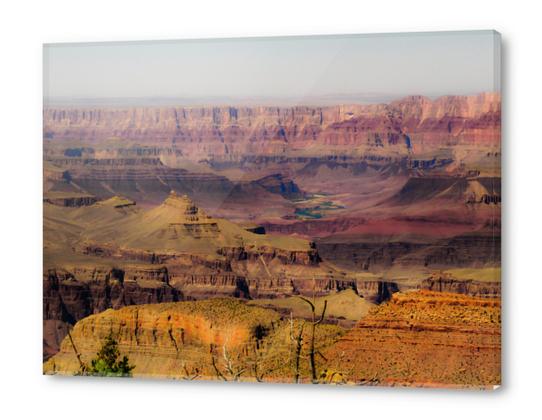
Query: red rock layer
{"x": 219, "y": 131}
{"x": 424, "y": 338}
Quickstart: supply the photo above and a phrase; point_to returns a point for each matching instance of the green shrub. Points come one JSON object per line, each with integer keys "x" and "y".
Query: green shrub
{"x": 108, "y": 361}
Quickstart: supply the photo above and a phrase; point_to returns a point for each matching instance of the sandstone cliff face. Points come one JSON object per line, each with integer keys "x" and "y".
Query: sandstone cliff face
{"x": 425, "y": 339}
{"x": 193, "y": 340}
{"x": 418, "y": 338}
{"x": 242, "y": 274}
{"x": 477, "y": 118}
{"x": 414, "y": 122}
{"x": 160, "y": 339}
{"x": 489, "y": 289}
{"x": 71, "y": 296}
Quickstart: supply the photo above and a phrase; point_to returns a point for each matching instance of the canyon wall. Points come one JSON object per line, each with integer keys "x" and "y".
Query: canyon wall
{"x": 411, "y": 123}
{"x": 71, "y": 296}
{"x": 160, "y": 339}
{"x": 480, "y": 247}
{"x": 418, "y": 338}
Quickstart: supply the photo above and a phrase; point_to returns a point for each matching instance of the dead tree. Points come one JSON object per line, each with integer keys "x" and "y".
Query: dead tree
{"x": 314, "y": 323}
{"x": 218, "y": 373}
{"x": 258, "y": 364}
{"x": 232, "y": 373}
{"x": 190, "y": 375}
{"x": 298, "y": 340}
{"x": 82, "y": 366}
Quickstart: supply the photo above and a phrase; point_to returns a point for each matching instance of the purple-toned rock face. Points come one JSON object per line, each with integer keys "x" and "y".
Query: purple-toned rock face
{"x": 411, "y": 124}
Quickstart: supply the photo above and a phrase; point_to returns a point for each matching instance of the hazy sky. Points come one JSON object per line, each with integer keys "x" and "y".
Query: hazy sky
{"x": 296, "y": 67}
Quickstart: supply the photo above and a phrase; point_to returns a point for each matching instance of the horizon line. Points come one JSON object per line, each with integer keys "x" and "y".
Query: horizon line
{"x": 203, "y": 101}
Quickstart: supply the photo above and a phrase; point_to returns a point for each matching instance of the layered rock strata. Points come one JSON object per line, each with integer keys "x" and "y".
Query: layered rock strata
{"x": 221, "y": 339}
{"x": 426, "y": 339}
{"x": 71, "y": 296}
{"x": 413, "y": 122}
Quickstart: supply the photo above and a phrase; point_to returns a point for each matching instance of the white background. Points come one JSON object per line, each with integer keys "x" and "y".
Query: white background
{"x": 26, "y": 25}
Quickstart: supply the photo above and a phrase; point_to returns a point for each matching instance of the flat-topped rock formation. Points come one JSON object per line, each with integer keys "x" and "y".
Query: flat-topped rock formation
{"x": 426, "y": 339}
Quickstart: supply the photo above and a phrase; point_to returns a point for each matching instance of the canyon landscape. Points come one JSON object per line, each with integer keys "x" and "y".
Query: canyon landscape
{"x": 355, "y": 242}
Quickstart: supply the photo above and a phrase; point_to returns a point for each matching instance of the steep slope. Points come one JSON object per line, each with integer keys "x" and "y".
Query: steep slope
{"x": 193, "y": 340}
{"x": 178, "y": 225}
{"x": 70, "y": 296}
{"x": 460, "y": 190}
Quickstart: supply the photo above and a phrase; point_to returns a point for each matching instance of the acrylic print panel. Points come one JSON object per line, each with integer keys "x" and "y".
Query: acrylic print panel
{"x": 317, "y": 210}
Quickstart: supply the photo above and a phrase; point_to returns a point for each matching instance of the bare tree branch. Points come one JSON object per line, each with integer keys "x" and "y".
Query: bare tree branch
{"x": 82, "y": 365}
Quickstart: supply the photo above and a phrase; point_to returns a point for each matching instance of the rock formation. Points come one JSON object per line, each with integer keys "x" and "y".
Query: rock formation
{"x": 191, "y": 340}
{"x": 425, "y": 339}
{"x": 482, "y": 247}
{"x": 411, "y": 123}
{"x": 113, "y": 253}
{"x": 67, "y": 298}
{"x": 149, "y": 208}
{"x": 418, "y": 338}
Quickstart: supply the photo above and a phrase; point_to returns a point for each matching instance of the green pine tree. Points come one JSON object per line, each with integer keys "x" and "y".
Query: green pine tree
{"x": 108, "y": 361}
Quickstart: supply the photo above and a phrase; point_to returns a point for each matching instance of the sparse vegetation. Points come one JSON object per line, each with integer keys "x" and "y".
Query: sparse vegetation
{"x": 230, "y": 340}
{"x": 313, "y": 324}
{"x": 108, "y": 360}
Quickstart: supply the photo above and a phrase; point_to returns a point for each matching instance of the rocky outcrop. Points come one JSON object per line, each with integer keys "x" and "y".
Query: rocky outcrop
{"x": 279, "y": 184}
{"x": 376, "y": 291}
{"x": 232, "y": 255}
{"x": 443, "y": 283}
{"x": 308, "y": 257}
{"x": 425, "y": 339}
{"x": 149, "y": 180}
{"x": 216, "y": 339}
{"x": 479, "y": 247}
{"x": 171, "y": 252}
{"x": 166, "y": 339}
{"x": 71, "y": 201}
{"x": 468, "y": 190}
{"x": 209, "y": 285}
{"x": 419, "y": 338}
{"x": 71, "y": 296}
